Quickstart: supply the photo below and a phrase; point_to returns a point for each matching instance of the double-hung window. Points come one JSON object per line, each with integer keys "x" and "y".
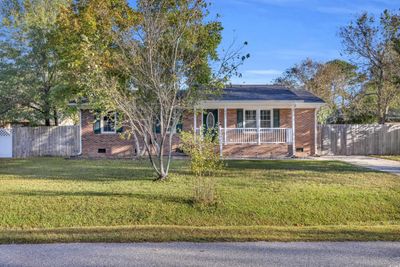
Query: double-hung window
{"x": 108, "y": 123}
{"x": 250, "y": 119}
{"x": 265, "y": 119}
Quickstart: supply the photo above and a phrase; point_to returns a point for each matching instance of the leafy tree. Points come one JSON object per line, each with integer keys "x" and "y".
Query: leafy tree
{"x": 339, "y": 84}
{"x": 151, "y": 63}
{"x": 336, "y": 82}
{"x": 371, "y": 43}
{"x": 32, "y": 86}
{"x": 300, "y": 75}
{"x": 92, "y": 57}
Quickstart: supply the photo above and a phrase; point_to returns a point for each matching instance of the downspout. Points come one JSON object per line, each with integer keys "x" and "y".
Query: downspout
{"x": 80, "y": 133}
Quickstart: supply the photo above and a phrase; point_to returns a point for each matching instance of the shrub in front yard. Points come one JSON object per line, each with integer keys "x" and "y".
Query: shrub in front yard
{"x": 204, "y": 163}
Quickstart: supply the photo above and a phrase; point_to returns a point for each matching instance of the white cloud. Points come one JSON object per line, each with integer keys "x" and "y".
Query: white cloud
{"x": 338, "y": 7}
{"x": 299, "y": 54}
{"x": 267, "y": 72}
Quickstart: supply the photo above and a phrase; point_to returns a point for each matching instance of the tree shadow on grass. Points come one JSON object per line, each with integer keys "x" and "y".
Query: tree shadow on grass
{"x": 295, "y": 165}
{"x": 146, "y": 197}
{"x": 81, "y": 170}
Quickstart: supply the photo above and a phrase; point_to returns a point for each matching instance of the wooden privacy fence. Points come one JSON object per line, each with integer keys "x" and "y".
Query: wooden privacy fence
{"x": 46, "y": 141}
{"x": 353, "y": 139}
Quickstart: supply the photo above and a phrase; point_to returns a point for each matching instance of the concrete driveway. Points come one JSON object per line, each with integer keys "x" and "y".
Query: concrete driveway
{"x": 204, "y": 254}
{"x": 377, "y": 164}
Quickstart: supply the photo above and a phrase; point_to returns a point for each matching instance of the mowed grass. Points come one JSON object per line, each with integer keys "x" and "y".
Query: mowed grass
{"x": 389, "y": 157}
{"x": 58, "y": 200}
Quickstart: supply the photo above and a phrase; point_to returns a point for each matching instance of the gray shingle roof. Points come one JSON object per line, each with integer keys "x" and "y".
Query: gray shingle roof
{"x": 265, "y": 92}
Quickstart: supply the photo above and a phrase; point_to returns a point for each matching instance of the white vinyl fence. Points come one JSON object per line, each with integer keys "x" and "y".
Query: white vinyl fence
{"x": 5, "y": 143}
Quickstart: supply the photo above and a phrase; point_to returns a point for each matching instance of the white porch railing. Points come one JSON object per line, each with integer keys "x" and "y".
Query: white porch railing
{"x": 255, "y": 135}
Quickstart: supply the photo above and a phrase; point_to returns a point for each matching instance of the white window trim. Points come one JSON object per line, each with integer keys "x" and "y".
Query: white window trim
{"x": 271, "y": 112}
{"x": 259, "y": 118}
{"x": 102, "y": 125}
{"x": 244, "y": 118}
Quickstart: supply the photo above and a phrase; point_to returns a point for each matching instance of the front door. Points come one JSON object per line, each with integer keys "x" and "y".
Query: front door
{"x": 210, "y": 119}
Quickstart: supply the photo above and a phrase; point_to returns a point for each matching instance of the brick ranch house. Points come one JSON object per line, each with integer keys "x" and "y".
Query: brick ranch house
{"x": 264, "y": 121}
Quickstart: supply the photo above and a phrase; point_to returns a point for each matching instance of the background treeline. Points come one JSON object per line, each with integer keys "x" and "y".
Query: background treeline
{"x": 364, "y": 89}
{"x": 46, "y": 48}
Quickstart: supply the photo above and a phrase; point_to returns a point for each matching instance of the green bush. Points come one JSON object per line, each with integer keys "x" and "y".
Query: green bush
{"x": 204, "y": 163}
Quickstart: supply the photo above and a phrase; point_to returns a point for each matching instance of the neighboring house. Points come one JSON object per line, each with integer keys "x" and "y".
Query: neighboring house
{"x": 254, "y": 121}
{"x": 25, "y": 123}
{"x": 7, "y": 124}
{"x": 393, "y": 115}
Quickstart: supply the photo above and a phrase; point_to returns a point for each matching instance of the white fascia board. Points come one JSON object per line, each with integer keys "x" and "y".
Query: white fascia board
{"x": 251, "y": 104}
{"x": 79, "y": 106}
{"x": 254, "y": 104}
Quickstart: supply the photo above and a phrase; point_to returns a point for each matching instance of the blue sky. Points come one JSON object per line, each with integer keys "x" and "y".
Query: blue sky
{"x": 283, "y": 32}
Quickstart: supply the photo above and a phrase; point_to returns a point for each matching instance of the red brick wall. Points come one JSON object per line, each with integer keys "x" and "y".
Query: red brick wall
{"x": 115, "y": 146}
{"x": 231, "y": 121}
{"x": 188, "y": 121}
{"x": 118, "y": 147}
{"x": 256, "y": 151}
{"x": 305, "y": 131}
{"x": 285, "y": 118}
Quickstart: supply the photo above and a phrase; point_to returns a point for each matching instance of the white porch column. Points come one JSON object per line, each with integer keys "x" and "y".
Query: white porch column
{"x": 202, "y": 118}
{"x": 194, "y": 121}
{"x": 258, "y": 126}
{"x": 221, "y": 149}
{"x": 225, "y": 124}
{"x": 294, "y": 130}
{"x": 316, "y": 132}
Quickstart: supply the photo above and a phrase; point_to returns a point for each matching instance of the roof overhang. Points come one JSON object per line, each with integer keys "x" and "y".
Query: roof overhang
{"x": 79, "y": 106}
{"x": 247, "y": 104}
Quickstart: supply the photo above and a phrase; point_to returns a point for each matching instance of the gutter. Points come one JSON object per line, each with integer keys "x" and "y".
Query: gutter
{"x": 80, "y": 133}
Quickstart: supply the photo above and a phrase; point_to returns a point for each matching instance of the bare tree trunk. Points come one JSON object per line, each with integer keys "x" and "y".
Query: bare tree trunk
{"x": 55, "y": 115}
{"x": 163, "y": 174}
{"x": 47, "y": 115}
{"x": 139, "y": 151}
{"x": 382, "y": 118}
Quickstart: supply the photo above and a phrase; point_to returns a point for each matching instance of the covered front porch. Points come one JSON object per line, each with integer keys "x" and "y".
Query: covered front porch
{"x": 259, "y": 130}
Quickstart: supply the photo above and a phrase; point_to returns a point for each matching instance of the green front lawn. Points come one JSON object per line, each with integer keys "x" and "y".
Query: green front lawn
{"x": 57, "y": 200}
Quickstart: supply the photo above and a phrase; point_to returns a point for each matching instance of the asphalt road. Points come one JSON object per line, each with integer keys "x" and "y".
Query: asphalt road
{"x": 204, "y": 254}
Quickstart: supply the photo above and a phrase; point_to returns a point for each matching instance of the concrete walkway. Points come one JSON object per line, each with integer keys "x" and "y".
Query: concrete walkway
{"x": 377, "y": 164}
{"x": 203, "y": 254}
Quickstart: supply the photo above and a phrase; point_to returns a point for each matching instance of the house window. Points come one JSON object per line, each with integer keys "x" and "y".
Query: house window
{"x": 265, "y": 119}
{"x": 108, "y": 123}
{"x": 250, "y": 119}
